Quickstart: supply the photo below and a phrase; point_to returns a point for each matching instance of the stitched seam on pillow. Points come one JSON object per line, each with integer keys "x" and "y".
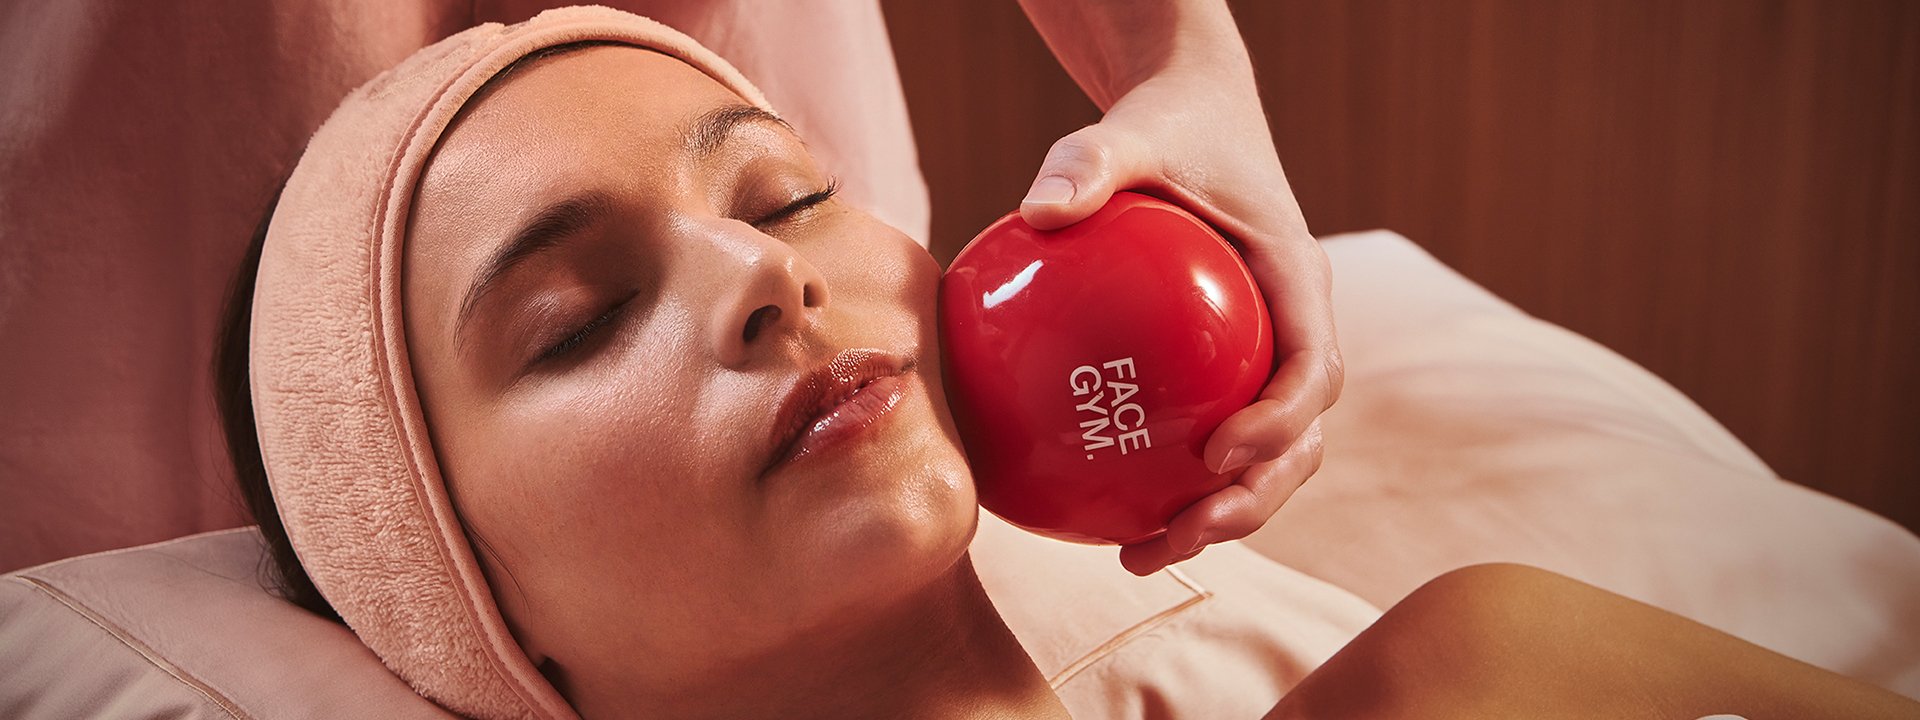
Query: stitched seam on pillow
{"x": 117, "y": 551}
{"x": 136, "y": 645}
{"x": 1200, "y": 595}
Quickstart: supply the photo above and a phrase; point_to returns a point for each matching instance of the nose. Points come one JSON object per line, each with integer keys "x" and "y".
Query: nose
{"x": 769, "y": 293}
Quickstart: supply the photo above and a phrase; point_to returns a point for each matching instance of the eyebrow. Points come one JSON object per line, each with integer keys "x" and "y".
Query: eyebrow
{"x": 714, "y": 126}
{"x": 562, "y": 220}
{"x": 553, "y": 225}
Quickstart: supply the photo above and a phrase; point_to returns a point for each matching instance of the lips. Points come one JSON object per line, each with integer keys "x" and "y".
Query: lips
{"x": 836, "y": 401}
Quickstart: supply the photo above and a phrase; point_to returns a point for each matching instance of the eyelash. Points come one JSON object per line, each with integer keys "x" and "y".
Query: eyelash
{"x": 803, "y": 203}
{"x": 580, "y": 336}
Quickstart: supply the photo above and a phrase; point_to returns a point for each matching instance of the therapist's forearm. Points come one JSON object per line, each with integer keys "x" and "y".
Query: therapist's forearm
{"x": 1110, "y": 46}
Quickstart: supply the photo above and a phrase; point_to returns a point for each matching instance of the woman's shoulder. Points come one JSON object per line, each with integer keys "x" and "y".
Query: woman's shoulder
{"x": 1508, "y": 640}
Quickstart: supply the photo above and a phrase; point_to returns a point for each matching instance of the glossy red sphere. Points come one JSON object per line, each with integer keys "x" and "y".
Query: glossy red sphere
{"x": 1087, "y": 366}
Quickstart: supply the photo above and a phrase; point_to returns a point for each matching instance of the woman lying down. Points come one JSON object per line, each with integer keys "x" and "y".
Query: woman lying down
{"x": 539, "y": 277}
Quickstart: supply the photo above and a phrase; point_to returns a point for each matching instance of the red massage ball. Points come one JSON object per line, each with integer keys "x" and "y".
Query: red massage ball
{"x": 1087, "y": 366}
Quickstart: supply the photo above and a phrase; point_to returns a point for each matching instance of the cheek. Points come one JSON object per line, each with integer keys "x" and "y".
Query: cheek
{"x": 919, "y": 283}
{"x": 879, "y": 272}
{"x": 559, "y": 479}
{"x": 916, "y": 286}
{"x": 606, "y": 463}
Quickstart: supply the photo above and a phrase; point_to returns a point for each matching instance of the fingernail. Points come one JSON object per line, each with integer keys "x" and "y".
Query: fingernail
{"x": 1199, "y": 542}
{"x": 1235, "y": 458}
{"x": 1050, "y": 190}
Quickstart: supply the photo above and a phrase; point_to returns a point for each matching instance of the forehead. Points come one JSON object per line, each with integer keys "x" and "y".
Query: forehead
{"x": 583, "y": 111}
{"x": 606, "y": 119}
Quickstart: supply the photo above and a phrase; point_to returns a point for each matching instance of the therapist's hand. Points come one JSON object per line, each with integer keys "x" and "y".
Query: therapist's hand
{"x": 1193, "y": 132}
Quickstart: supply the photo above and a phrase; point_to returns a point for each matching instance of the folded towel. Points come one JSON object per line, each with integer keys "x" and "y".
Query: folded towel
{"x": 346, "y": 447}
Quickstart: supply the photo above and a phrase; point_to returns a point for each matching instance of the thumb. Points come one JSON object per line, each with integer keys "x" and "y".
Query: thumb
{"x": 1081, "y": 172}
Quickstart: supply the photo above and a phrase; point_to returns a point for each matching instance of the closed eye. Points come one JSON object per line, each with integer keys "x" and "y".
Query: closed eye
{"x": 580, "y": 336}
{"x": 799, "y": 205}
{"x": 583, "y": 334}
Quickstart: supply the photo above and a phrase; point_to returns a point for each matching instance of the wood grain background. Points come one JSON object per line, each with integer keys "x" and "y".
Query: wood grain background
{"x": 1724, "y": 191}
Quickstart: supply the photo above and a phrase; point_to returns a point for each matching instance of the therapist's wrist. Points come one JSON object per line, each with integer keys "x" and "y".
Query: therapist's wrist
{"x": 1210, "y": 55}
{"x": 1111, "y": 47}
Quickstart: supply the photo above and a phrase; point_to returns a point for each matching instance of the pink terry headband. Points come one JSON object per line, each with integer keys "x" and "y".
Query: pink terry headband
{"x": 346, "y": 447}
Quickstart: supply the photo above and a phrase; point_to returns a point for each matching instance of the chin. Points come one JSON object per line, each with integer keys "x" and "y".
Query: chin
{"x": 907, "y": 529}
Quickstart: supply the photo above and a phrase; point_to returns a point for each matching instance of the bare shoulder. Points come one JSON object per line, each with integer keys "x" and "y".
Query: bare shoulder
{"x": 1502, "y": 640}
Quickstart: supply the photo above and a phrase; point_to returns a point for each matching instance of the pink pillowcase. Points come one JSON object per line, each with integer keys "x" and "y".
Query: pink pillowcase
{"x": 182, "y": 629}
{"x": 1470, "y": 432}
{"x": 1221, "y": 636}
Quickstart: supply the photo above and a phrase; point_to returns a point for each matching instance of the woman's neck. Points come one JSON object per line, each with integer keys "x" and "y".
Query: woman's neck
{"x": 941, "y": 653}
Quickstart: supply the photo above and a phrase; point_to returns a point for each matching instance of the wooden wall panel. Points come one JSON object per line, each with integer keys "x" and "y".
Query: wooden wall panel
{"x": 1723, "y": 190}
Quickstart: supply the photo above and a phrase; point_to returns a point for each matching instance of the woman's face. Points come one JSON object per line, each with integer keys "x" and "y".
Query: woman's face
{"x": 627, "y": 294}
